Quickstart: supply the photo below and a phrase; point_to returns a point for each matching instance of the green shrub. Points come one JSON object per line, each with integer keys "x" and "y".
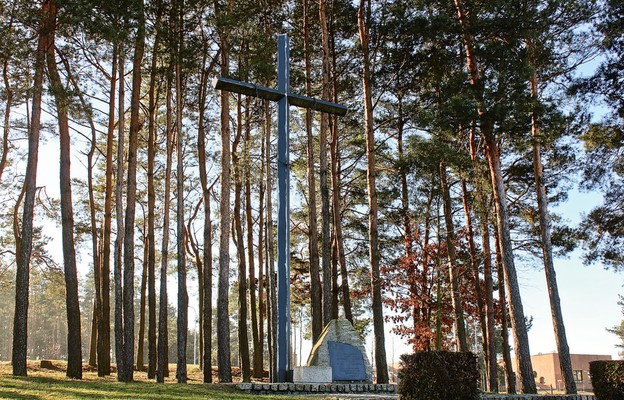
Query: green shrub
{"x": 607, "y": 379}
{"x": 439, "y": 375}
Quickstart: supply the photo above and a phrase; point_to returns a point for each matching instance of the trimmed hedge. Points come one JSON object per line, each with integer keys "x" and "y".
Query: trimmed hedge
{"x": 607, "y": 379}
{"x": 439, "y": 375}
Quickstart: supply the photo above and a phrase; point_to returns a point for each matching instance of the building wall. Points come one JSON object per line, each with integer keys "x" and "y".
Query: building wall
{"x": 548, "y": 370}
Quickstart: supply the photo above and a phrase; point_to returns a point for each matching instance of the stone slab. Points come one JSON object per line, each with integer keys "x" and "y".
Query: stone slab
{"x": 312, "y": 374}
{"x": 347, "y": 362}
{"x": 338, "y": 330}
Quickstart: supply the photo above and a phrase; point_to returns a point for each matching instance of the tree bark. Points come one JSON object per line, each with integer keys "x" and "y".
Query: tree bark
{"x": 7, "y": 114}
{"x": 484, "y": 218}
{"x": 460, "y": 326}
{"x": 140, "y": 364}
{"x": 521, "y": 340}
{"x": 489, "y": 302}
{"x": 182, "y": 321}
{"x": 207, "y": 320}
{"x": 243, "y": 338}
{"x": 152, "y": 355}
{"x": 97, "y": 308}
{"x": 271, "y": 274}
{"x": 371, "y": 175}
{"x": 223, "y": 322}
{"x": 162, "y": 367}
{"x": 129, "y": 224}
{"x": 255, "y": 323}
{"x": 119, "y": 239}
{"x": 261, "y": 256}
{"x": 74, "y": 347}
{"x": 93, "y": 336}
{"x": 22, "y": 276}
{"x": 206, "y": 292}
{"x": 103, "y": 348}
{"x": 509, "y": 372}
{"x": 474, "y": 268}
{"x": 324, "y": 185}
{"x": 549, "y": 267}
{"x": 336, "y": 196}
{"x": 316, "y": 303}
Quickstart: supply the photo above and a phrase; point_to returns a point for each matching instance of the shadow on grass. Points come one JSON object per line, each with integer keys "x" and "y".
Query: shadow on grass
{"x": 7, "y": 394}
{"x": 43, "y": 387}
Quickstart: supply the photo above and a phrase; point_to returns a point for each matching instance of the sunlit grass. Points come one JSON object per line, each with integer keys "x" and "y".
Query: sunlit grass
{"x": 53, "y": 384}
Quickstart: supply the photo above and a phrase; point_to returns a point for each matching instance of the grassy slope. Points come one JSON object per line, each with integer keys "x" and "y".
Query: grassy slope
{"x": 47, "y": 384}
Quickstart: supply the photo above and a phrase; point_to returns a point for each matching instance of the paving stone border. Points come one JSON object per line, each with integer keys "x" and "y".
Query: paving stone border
{"x": 538, "y": 396}
{"x": 367, "y": 389}
{"x": 316, "y": 388}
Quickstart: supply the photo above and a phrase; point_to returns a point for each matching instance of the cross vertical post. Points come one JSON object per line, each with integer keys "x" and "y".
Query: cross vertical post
{"x": 284, "y": 99}
{"x": 283, "y": 213}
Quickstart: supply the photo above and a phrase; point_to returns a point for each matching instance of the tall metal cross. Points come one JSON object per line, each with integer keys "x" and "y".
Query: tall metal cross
{"x": 283, "y": 98}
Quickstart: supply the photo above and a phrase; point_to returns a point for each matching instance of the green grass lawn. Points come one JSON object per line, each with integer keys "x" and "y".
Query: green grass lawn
{"x": 52, "y": 384}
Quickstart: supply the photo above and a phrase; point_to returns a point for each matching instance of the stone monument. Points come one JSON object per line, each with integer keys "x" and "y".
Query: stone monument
{"x": 341, "y": 348}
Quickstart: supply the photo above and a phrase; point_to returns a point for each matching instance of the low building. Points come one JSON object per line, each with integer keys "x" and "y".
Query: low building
{"x": 548, "y": 375}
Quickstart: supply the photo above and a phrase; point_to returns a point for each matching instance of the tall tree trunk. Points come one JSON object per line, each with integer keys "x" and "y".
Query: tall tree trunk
{"x": 182, "y": 321}
{"x": 521, "y": 340}
{"x": 324, "y": 185}
{"x": 439, "y": 279}
{"x": 259, "y": 370}
{"x": 255, "y": 323}
{"x": 509, "y": 372}
{"x": 458, "y": 309}
{"x": 207, "y": 320}
{"x": 484, "y": 218}
{"x": 162, "y": 367}
{"x": 74, "y": 347}
{"x": 223, "y": 322}
{"x": 193, "y": 248}
{"x": 24, "y": 247}
{"x": 7, "y": 113}
{"x": 92, "y": 214}
{"x": 152, "y": 141}
{"x": 119, "y": 239}
{"x": 243, "y": 338}
{"x": 545, "y": 230}
{"x": 206, "y": 277}
{"x": 140, "y": 363}
{"x": 316, "y": 303}
{"x": 336, "y": 203}
{"x": 422, "y": 311}
{"x": 371, "y": 175}
{"x": 103, "y": 336}
{"x": 474, "y": 267}
{"x": 407, "y": 227}
{"x": 128, "y": 247}
{"x": 93, "y": 336}
{"x": 489, "y": 302}
{"x": 271, "y": 274}
{"x": 334, "y": 274}
{"x": 206, "y": 284}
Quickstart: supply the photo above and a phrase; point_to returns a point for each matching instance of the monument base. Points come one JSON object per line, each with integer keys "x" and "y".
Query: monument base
{"x": 312, "y": 375}
{"x": 341, "y": 348}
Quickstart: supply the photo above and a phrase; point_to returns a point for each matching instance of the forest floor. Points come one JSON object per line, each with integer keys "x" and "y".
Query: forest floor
{"x": 48, "y": 384}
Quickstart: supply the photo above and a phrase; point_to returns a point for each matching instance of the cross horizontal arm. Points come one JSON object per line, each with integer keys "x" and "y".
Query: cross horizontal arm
{"x": 245, "y": 88}
{"x": 249, "y": 89}
{"x": 318, "y": 105}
